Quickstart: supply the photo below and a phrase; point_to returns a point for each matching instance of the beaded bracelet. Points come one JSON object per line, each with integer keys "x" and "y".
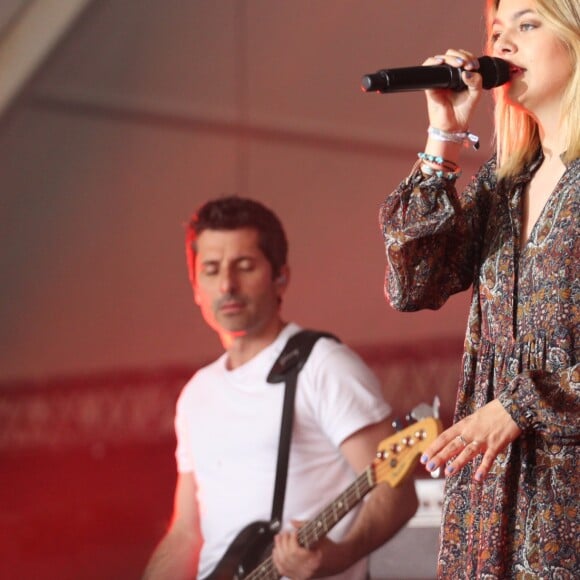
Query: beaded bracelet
{"x": 462, "y": 137}
{"x": 437, "y": 159}
{"x": 449, "y": 170}
{"x": 448, "y": 175}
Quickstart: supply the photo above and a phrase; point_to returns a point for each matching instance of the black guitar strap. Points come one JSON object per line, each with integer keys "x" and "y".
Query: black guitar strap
{"x": 286, "y": 368}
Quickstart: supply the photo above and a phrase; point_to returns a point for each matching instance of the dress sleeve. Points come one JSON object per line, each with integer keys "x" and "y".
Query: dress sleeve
{"x": 546, "y": 402}
{"x": 432, "y": 237}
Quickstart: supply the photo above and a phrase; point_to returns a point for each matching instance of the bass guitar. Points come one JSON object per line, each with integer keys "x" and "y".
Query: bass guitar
{"x": 247, "y": 556}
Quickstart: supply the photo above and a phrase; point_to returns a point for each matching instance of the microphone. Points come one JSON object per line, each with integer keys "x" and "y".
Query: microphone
{"x": 494, "y": 71}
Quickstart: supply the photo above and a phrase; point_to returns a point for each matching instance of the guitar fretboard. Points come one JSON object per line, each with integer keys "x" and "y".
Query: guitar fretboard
{"x": 317, "y": 528}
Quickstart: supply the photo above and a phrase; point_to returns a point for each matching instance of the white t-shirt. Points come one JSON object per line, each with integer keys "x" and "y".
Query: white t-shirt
{"x": 228, "y": 426}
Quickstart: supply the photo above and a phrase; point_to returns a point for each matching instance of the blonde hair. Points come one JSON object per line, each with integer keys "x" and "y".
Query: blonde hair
{"x": 516, "y": 132}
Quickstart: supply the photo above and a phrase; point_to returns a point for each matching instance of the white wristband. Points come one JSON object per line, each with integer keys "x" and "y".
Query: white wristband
{"x": 462, "y": 137}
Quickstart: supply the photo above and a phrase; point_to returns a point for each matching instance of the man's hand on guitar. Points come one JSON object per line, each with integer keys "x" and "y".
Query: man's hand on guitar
{"x": 291, "y": 559}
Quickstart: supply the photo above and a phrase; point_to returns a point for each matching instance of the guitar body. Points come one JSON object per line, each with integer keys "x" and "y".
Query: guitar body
{"x": 249, "y": 548}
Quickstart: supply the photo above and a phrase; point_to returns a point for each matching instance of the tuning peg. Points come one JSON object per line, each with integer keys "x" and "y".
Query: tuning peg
{"x": 424, "y": 410}
{"x": 397, "y": 424}
{"x": 436, "y": 406}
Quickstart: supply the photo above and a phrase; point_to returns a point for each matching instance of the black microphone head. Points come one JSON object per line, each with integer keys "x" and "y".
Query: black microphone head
{"x": 494, "y": 71}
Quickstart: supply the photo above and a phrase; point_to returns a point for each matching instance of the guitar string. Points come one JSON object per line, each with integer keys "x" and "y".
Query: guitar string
{"x": 318, "y": 527}
{"x": 310, "y": 531}
{"x": 354, "y": 493}
{"x": 267, "y": 571}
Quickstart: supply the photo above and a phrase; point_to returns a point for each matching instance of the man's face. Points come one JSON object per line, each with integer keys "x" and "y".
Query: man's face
{"x": 233, "y": 283}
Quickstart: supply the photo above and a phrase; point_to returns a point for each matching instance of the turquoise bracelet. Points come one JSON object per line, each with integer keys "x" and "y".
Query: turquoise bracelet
{"x": 449, "y": 170}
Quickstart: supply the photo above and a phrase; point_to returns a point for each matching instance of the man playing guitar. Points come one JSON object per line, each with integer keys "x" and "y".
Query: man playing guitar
{"x": 228, "y": 418}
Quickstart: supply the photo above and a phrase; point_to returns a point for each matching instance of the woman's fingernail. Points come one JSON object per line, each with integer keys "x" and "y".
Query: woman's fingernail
{"x": 459, "y": 59}
{"x": 450, "y": 469}
{"x": 424, "y": 459}
{"x": 478, "y": 476}
{"x": 468, "y": 74}
{"x": 431, "y": 465}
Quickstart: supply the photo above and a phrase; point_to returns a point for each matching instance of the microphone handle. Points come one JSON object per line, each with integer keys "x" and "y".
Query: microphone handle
{"x": 494, "y": 72}
{"x": 416, "y": 78}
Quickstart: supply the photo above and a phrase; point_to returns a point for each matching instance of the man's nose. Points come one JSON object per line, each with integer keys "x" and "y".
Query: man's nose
{"x": 228, "y": 281}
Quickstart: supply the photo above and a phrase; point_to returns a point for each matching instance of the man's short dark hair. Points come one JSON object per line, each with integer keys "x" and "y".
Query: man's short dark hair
{"x": 233, "y": 213}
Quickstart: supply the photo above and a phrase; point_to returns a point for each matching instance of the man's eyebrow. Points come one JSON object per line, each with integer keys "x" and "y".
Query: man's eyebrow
{"x": 208, "y": 262}
{"x": 236, "y": 259}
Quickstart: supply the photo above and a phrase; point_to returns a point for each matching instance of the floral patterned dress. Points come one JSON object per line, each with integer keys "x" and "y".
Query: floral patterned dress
{"x": 521, "y": 347}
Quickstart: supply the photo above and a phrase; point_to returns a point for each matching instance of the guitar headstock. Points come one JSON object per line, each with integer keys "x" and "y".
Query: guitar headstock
{"x": 398, "y": 454}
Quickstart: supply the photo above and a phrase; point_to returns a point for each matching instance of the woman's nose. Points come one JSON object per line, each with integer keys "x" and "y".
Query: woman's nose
{"x": 505, "y": 45}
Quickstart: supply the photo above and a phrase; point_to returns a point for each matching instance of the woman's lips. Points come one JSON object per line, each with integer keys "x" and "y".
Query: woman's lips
{"x": 515, "y": 70}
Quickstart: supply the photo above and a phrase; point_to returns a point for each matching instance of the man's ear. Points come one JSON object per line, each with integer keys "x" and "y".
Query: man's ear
{"x": 196, "y": 297}
{"x": 283, "y": 277}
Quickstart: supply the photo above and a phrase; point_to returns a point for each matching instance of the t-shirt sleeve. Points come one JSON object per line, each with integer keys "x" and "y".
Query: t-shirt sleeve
{"x": 344, "y": 393}
{"x": 183, "y": 456}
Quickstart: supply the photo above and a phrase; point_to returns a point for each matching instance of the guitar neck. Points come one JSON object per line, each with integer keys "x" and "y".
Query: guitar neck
{"x": 317, "y": 528}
